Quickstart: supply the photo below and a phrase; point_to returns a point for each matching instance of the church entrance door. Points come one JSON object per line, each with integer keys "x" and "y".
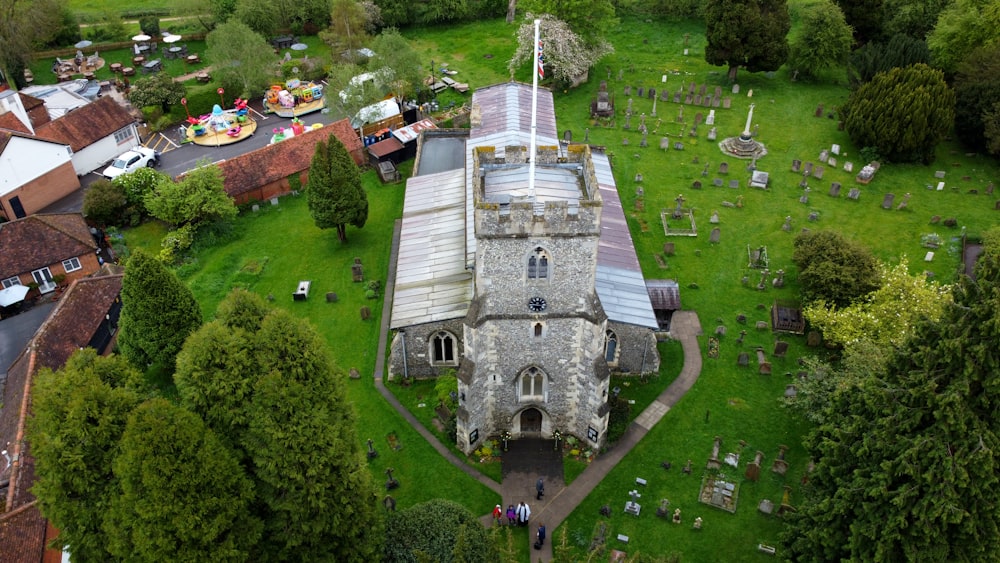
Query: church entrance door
{"x": 531, "y": 421}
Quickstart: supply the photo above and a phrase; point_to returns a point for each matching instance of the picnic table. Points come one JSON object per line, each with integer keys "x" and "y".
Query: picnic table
{"x": 152, "y": 66}
{"x": 283, "y": 41}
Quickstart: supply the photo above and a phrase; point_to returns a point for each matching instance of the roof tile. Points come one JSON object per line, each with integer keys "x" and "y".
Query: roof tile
{"x": 40, "y": 240}
{"x": 86, "y": 125}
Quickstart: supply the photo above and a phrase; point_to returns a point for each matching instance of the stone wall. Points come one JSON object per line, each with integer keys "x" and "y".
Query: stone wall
{"x": 417, "y": 361}
{"x": 637, "y": 349}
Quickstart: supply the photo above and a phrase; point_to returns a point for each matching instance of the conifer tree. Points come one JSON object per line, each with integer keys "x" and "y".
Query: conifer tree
{"x": 747, "y": 33}
{"x": 336, "y": 196}
{"x": 158, "y": 312}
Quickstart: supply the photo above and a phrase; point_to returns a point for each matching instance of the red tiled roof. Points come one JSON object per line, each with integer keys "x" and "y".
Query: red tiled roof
{"x": 30, "y": 102}
{"x": 269, "y": 164}
{"x": 86, "y": 125}
{"x": 37, "y": 241}
{"x": 11, "y": 122}
{"x": 10, "y": 415}
{"x": 75, "y": 319}
{"x": 22, "y": 535}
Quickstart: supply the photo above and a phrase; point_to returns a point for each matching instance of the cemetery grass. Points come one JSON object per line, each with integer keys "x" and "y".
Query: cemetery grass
{"x": 268, "y": 252}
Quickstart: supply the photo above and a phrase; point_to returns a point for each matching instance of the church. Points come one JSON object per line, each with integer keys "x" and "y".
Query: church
{"x": 529, "y": 292}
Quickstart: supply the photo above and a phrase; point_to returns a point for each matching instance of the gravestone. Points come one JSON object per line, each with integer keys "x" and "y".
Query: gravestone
{"x": 688, "y": 99}
{"x": 712, "y": 133}
{"x": 818, "y": 172}
{"x": 691, "y": 88}
{"x": 643, "y": 142}
{"x": 848, "y": 166}
{"x": 678, "y": 146}
{"x": 788, "y": 224}
{"x": 819, "y": 111}
{"x": 274, "y": 201}
{"x": 697, "y": 118}
{"x": 697, "y": 99}
{"x": 668, "y": 248}
{"x": 696, "y": 184}
{"x": 780, "y": 466}
{"x": 715, "y": 102}
{"x": 357, "y": 272}
{"x": 568, "y": 136}
{"x": 603, "y": 86}
{"x": 823, "y": 155}
{"x": 704, "y": 171}
{"x": 903, "y": 204}
{"x": 805, "y": 196}
{"x": 628, "y": 122}
{"x": 734, "y": 184}
{"x": 366, "y": 313}
{"x": 639, "y": 91}
{"x": 710, "y": 120}
{"x": 662, "y": 510}
{"x": 887, "y": 201}
{"x": 753, "y": 468}
{"x": 717, "y": 182}
{"x": 651, "y": 94}
{"x": 628, "y": 90}
{"x": 808, "y": 169}
{"x": 724, "y": 168}
{"x": 796, "y": 165}
{"x": 835, "y": 189}
{"x": 759, "y": 179}
{"x": 718, "y": 91}
{"x": 714, "y": 236}
{"x": 726, "y": 102}
{"x": 832, "y": 162}
{"x": 694, "y": 131}
{"x": 939, "y": 174}
{"x": 854, "y": 194}
{"x": 713, "y": 460}
{"x": 706, "y": 101}
{"x": 664, "y": 96}
{"x": 804, "y": 183}
{"x": 680, "y": 114}
{"x": 331, "y": 297}
{"x": 835, "y": 149}
{"x": 628, "y": 108}
{"x": 736, "y": 88}
{"x": 703, "y": 89}
{"x": 813, "y": 339}
{"x": 780, "y": 349}
{"x": 743, "y": 360}
{"x": 714, "y": 219}
{"x": 664, "y": 143}
{"x": 677, "y": 97}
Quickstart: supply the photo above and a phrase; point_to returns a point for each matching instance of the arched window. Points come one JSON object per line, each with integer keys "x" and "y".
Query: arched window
{"x": 538, "y": 264}
{"x": 443, "y": 349}
{"x": 532, "y": 385}
{"x": 539, "y": 330}
{"x": 611, "y": 347}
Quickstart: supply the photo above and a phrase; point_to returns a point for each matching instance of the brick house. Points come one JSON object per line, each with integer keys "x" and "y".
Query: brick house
{"x": 87, "y": 314}
{"x": 34, "y": 172}
{"x": 39, "y": 248}
{"x": 262, "y": 174}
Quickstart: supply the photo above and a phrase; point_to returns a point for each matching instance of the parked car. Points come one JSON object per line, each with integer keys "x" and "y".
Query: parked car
{"x": 131, "y": 161}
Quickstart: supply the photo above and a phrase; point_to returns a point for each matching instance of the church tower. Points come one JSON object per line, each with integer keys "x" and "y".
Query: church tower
{"x": 535, "y": 334}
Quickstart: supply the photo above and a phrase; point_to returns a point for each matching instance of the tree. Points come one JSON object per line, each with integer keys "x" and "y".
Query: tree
{"x": 262, "y": 16}
{"x": 104, "y": 203}
{"x": 243, "y": 60}
{"x": 158, "y": 312}
{"x": 184, "y": 496}
{"x": 962, "y": 27}
{"x": 977, "y": 89}
{"x": 866, "y": 18}
{"x": 430, "y": 531}
{"x": 833, "y": 269}
{"x": 991, "y": 128}
{"x": 79, "y": 413}
{"x": 747, "y": 33}
{"x": 567, "y": 55}
{"x": 137, "y": 184}
{"x": 590, "y": 19}
{"x": 336, "y": 196}
{"x": 902, "y": 113}
{"x": 24, "y": 24}
{"x": 196, "y": 198}
{"x": 348, "y": 29}
{"x": 263, "y": 381}
{"x": 886, "y": 316}
{"x": 157, "y": 90}
{"x": 913, "y": 18}
{"x": 907, "y": 462}
{"x": 824, "y": 41}
{"x": 874, "y": 57}
{"x": 394, "y": 53}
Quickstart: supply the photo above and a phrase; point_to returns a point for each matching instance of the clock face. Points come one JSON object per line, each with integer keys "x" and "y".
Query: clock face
{"x": 536, "y": 304}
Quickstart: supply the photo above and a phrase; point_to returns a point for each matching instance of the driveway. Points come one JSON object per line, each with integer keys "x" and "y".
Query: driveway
{"x": 16, "y": 331}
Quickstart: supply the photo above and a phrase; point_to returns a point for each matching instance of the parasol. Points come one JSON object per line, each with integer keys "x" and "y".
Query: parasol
{"x": 83, "y": 44}
{"x": 299, "y": 46}
{"x": 172, "y": 39}
{"x": 141, "y": 37}
{"x": 12, "y": 294}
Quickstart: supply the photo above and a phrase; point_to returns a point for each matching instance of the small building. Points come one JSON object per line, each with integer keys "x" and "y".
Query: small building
{"x": 34, "y": 173}
{"x": 97, "y": 133}
{"x": 41, "y": 249}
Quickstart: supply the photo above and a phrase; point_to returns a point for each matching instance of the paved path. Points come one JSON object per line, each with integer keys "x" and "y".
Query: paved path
{"x": 560, "y": 500}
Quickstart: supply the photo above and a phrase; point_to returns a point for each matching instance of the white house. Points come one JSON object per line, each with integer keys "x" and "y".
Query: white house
{"x": 34, "y": 173}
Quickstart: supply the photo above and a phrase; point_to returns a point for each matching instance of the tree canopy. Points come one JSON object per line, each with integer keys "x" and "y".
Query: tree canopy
{"x": 243, "y": 60}
{"x": 875, "y": 57}
{"x": 962, "y": 27}
{"x": 866, "y": 18}
{"x": 590, "y": 19}
{"x": 158, "y": 312}
{"x": 158, "y": 90}
{"x": 262, "y": 380}
{"x": 23, "y": 25}
{"x": 824, "y": 40}
{"x": 747, "y": 33}
{"x": 567, "y": 55}
{"x": 404, "y": 73}
{"x": 907, "y": 460}
{"x": 437, "y": 530}
{"x": 902, "y": 113}
{"x": 197, "y": 197}
{"x": 833, "y": 269}
{"x": 977, "y": 91}
{"x": 336, "y": 196}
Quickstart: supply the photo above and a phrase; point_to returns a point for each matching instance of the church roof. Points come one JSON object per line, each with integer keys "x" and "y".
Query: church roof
{"x": 432, "y": 283}
{"x": 620, "y": 284}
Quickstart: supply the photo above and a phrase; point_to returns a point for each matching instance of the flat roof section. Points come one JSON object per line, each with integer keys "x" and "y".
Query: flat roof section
{"x": 552, "y": 183}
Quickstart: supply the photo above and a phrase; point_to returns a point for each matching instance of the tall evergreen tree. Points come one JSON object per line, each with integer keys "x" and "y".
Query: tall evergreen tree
{"x": 901, "y": 51}
{"x": 908, "y": 461}
{"x": 833, "y": 269}
{"x": 158, "y": 312}
{"x": 262, "y": 380}
{"x": 747, "y": 33}
{"x": 977, "y": 89}
{"x": 866, "y": 18}
{"x": 335, "y": 194}
{"x": 79, "y": 416}
{"x": 824, "y": 41}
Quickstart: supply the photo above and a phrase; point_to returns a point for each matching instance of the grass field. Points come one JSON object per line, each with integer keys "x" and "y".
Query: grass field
{"x": 731, "y": 402}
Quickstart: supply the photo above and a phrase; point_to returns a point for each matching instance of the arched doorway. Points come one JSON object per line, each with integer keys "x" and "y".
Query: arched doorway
{"x": 531, "y": 421}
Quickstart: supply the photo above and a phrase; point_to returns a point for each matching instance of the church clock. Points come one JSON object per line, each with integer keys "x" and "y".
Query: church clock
{"x": 536, "y": 304}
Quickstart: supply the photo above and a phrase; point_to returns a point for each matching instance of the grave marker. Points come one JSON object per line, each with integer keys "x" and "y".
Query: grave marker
{"x": 724, "y": 168}
{"x": 848, "y": 166}
{"x": 689, "y": 98}
{"x": 835, "y": 149}
{"x": 819, "y": 111}
{"x": 715, "y": 102}
{"x": 712, "y": 134}
{"x": 718, "y": 91}
{"x": 691, "y": 88}
{"x": 714, "y": 236}
{"x": 887, "y": 201}
{"x": 652, "y": 94}
{"x": 677, "y": 97}
{"x": 808, "y": 169}
{"x": 628, "y": 90}
{"x": 639, "y": 91}
{"x": 818, "y": 173}
{"x": 710, "y": 120}
{"x": 734, "y": 183}
{"x": 939, "y": 174}
{"x": 696, "y": 184}
{"x": 717, "y": 182}
{"x": 714, "y": 219}
{"x": 726, "y": 102}
{"x": 832, "y": 162}
{"x": 736, "y": 89}
{"x": 678, "y": 146}
{"x": 835, "y": 189}
{"x": 698, "y": 118}
{"x": 823, "y": 155}
{"x": 697, "y": 99}
{"x": 854, "y": 194}
{"x": 796, "y": 165}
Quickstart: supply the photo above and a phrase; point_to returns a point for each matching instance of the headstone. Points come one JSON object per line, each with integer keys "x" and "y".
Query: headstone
{"x": 714, "y": 219}
{"x": 715, "y": 102}
{"x": 788, "y": 224}
{"x": 848, "y": 166}
{"x": 694, "y": 131}
{"x": 819, "y": 111}
{"x": 780, "y": 348}
{"x": 664, "y": 96}
{"x": 691, "y": 88}
{"x": 780, "y": 466}
{"x": 696, "y": 184}
{"x": 678, "y": 146}
{"x": 643, "y": 142}
{"x": 753, "y": 468}
{"x": 652, "y": 93}
{"x": 832, "y": 162}
{"x": 804, "y": 183}
{"x": 366, "y": 313}
{"x": 805, "y": 196}
{"x": 697, "y": 118}
{"x": 639, "y": 91}
{"x": 628, "y": 108}
{"x": 939, "y": 174}
{"x": 759, "y": 179}
{"x": 796, "y": 165}
{"x": 854, "y": 194}
{"x": 726, "y": 102}
{"x": 331, "y": 297}
{"x": 357, "y": 272}
{"x": 887, "y": 201}
{"x": 940, "y": 186}
{"x": 274, "y": 201}
{"x": 697, "y": 99}
{"x": 714, "y": 236}
{"x": 702, "y": 89}
{"x": 689, "y": 98}
{"x": 808, "y": 169}
{"x": 603, "y": 86}
{"x": 628, "y": 90}
{"x": 736, "y": 88}
{"x": 255, "y": 208}
{"x": 717, "y": 182}
{"x": 628, "y": 121}
{"x": 734, "y": 183}
{"x": 677, "y": 97}
{"x": 929, "y": 256}
{"x": 712, "y": 134}
{"x": 724, "y": 168}
{"x": 818, "y": 173}
{"x": 835, "y": 189}
{"x": 568, "y": 136}
{"x": 835, "y": 149}
{"x": 813, "y": 339}
{"x": 706, "y": 101}
{"x": 710, "y": 120}
{"x": 903, "y": 204}
{"x": 743, "y": 360}
{"x": 718, "y": 91}
{"x": 664, "y": 143}
{"x": 824, "y": 155}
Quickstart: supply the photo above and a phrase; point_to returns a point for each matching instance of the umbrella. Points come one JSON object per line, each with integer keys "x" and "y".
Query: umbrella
{"x": 12, "y": 294}
{"x": 83, "y": 44}
{"x": 141, "y": 37}
{"x": 172, "y": 39}
{"x": 136, "y": 49}
{"x": 299, "y": 46}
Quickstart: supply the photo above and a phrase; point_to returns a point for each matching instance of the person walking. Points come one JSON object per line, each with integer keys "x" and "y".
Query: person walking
{"x": 523, "y": 514}
{"x": 511, "y": 515}
{"x": 540, "y": 536}
{"x": 497, "y": 514}
{"x": 540, "y": 488}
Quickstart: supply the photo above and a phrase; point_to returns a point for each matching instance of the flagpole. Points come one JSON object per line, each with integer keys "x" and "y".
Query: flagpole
{"x": 534, "y": 107}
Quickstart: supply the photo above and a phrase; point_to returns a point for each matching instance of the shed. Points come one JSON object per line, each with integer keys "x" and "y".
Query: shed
{"x": 665, "y": 296}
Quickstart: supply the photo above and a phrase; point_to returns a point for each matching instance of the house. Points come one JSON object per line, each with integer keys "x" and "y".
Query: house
{"x": 34, "y": 173}
{"x": 519, "y": 277}
{"x": 45, "y": 250}
{"x": 264, "y": 173}
{"x": 97, "y": 133}
{"x": 86, "y": 314}
{"x": 21, "y": 112}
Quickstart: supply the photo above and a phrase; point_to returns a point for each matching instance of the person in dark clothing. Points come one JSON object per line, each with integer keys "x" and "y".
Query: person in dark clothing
{"x": 540, "y": 488}
{"x": 541, "y": 536}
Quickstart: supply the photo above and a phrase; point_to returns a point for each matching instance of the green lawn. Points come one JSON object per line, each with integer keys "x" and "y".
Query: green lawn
{"x": 734, "y": 403}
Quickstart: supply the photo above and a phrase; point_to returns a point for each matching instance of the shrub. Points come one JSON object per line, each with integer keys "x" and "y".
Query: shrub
{"x": 104, "y": 203}
{"x": 150, "y": 25}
